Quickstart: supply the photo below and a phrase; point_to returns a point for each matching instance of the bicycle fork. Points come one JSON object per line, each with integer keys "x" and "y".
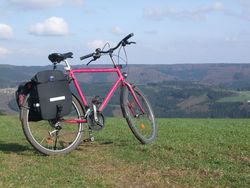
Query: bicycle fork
{"x": 131, "y": 89}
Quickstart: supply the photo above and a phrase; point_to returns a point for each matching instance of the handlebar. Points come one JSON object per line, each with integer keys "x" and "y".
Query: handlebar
{"x": 98, "y": 52}
{"x": 128, "y": 37}
{"x": 86, "y": 56}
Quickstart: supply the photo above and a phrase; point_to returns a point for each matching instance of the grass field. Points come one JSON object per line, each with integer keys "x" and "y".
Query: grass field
{"x": 240, "y": 96}
{"x": 187, "y": 153}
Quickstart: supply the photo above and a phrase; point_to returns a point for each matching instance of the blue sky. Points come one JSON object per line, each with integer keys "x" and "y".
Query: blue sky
{"x": 166, "y": 31}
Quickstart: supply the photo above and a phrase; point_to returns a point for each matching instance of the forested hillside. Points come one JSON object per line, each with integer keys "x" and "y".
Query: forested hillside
{"x": 204, "y": 90}
{"x": 236, "y": 76}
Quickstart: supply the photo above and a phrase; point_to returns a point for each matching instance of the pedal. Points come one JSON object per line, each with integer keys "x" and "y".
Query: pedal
{"x": 91, "y": 139}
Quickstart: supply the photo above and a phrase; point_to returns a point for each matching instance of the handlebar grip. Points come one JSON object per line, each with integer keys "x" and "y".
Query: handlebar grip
{"x": 86, "y": 56}
{"x": 127, "y": 37}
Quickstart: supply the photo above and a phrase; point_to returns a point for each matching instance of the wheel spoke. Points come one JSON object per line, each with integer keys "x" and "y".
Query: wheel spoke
{"x": 54, "y": 137}
{"x": 141, "y": 122}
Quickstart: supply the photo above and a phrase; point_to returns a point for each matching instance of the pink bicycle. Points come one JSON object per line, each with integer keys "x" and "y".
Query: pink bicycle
{"x": 65, "y": 134}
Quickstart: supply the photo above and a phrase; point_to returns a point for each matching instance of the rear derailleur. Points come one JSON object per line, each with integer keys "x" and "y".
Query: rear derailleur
{"x": 57, "y": 127}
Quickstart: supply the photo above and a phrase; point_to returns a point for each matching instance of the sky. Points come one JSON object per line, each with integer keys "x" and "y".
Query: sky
{"x": 166, "y": 31}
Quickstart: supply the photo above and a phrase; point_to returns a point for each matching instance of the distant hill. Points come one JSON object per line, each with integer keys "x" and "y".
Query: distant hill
{"x": 187, "y": 90}
{"x": 11, "y": 76}
{"x": 236, "y": 76}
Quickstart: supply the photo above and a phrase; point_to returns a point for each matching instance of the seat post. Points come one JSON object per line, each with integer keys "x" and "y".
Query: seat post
{"x": 67, "y": 67}
{"x": 54, "y": 65}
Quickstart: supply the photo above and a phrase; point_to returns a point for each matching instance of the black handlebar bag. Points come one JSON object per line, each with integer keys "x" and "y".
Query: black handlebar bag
{"x": 52, "y": 93}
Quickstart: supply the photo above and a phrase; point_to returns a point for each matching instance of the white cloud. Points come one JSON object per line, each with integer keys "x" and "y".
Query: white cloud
{"x": 231, "y": 39}
{"x": 159, "y": 13}
{"x": 219, "y": 6}
{"x": 151, "y": 32}
{"x": 41, "y": 4}
{"x": 76, "y": 2}
{"x": 53, "y": 26}
{"x": 3, "y": 51}
{"x": 5, "y": 31}
{"x": 117, "y": 30}
{"x": 96, "y": 44}
{"x": 35, "y": 4}
{"x": 243, "y": 14}
{"x": 245, "y": 6}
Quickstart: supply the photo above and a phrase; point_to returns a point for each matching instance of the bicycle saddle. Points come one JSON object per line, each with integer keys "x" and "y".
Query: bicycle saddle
{"x": 57, "y": 57}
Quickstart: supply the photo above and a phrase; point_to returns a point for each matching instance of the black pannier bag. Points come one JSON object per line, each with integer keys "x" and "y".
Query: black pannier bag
{"x": 23, "y": 90}
{"x": 51, "y": 93}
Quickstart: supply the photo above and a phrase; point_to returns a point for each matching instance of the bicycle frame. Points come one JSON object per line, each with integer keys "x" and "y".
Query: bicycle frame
{"x": 63, "y": 133}
{"x": 120, "y": 80}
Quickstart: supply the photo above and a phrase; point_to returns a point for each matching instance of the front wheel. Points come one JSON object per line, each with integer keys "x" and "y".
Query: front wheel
{"x": 53, "y": 136}
{"x": 141, "y": 120}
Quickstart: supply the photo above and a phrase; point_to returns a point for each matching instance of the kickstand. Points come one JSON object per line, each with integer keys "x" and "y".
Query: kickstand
{"x": 91, "y": 137}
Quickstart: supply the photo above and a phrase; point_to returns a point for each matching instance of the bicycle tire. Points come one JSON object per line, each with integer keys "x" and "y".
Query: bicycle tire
{"x": 142, "y": 125}
{"x": 34, "y": 131}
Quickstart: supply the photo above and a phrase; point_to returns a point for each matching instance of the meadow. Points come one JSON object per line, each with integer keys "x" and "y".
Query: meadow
{"x": 187, "y": 153}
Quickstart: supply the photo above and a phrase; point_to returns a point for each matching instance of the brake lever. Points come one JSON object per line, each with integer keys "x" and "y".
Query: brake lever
{"x": 131, "y": 43}
{"x": 96, "y": 56}
{"x": 127, "y": 43}
{"x": 90, "y": 61}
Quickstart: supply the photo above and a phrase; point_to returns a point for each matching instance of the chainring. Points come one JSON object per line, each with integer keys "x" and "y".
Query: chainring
{"x": 93, "y": 125}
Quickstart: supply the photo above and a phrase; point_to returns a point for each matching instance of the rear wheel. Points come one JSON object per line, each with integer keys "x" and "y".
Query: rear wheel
{"x": 50, "y": 136}
{"x": 142, "y": 124}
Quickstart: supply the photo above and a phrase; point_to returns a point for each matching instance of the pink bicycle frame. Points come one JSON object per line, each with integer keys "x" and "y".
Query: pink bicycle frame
{"x": 120, "y": 79}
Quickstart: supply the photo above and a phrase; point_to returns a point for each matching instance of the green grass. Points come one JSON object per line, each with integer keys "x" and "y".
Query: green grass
{"x": 240, "y": 96}
{"x": 187, "y": 153}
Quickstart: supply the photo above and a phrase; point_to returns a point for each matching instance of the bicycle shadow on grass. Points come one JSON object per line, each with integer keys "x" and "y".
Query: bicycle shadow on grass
{"x": 100, "y": 143}
{"x": 119, "y": 143}
{"x": 13, "y": 147}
